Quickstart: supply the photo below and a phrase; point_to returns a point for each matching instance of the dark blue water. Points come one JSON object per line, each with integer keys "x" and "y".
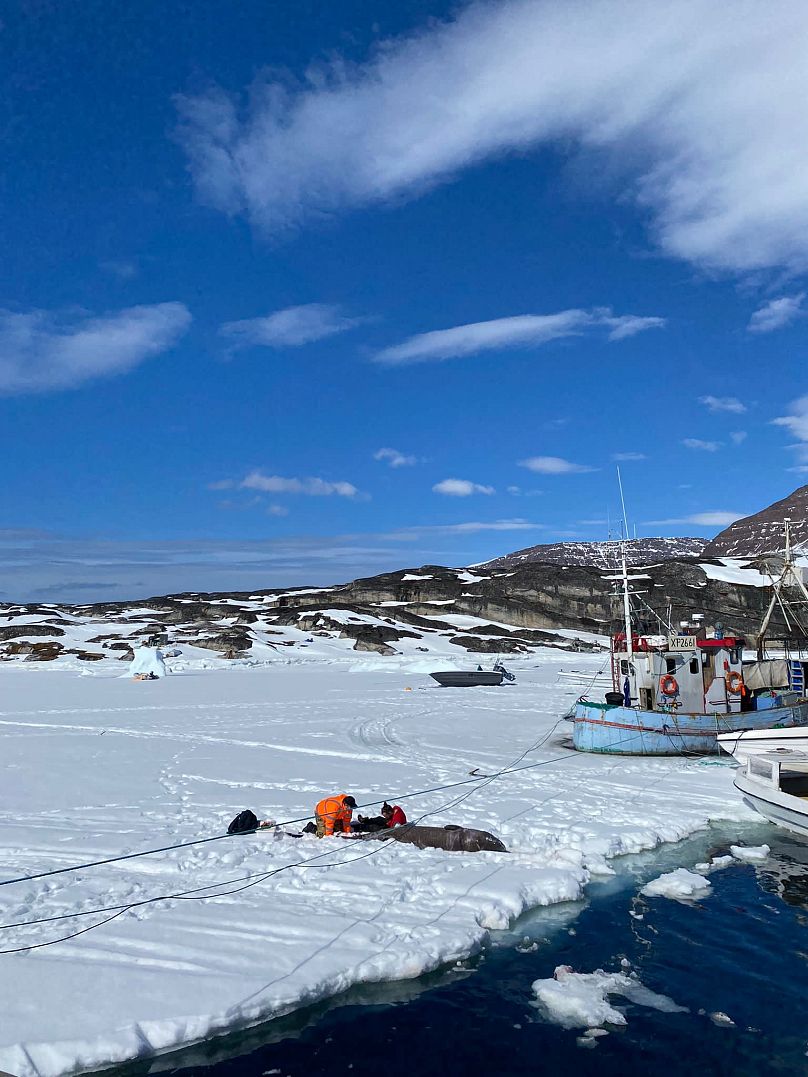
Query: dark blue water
{"x": 742, "y": 951}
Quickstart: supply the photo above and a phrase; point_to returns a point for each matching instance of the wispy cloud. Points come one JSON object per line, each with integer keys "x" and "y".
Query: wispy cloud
{"x": 122, "y": 268}
{"x": 738, "y": 436}
{"x": 713, "y": 518}
{"x": 723, "y": 403}
{"x": 554, "y": 465}
{"x": 470, "y": 527}
{"x": 776, "y": 313}
{"x": 289, "y": 328}
{"x": 701, "y": 446}
{"x": 620, "y": 457}
{"x": 797, "y": 425}
{"x": 42, "y": 351}
{"x": 700, "y": 107}
{"x": 49, "y": 567}
{"x": 521, "y": 331}
{"x": 395, "y": 458}
{"x": 460, "y": 488}
{"x": 278, "y": 484}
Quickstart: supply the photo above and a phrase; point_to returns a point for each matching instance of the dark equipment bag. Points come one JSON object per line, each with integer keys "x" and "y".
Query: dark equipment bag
{"x": 243, "y": 823}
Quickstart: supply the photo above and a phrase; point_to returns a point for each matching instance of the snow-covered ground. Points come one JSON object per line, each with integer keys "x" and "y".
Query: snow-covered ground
{"x": 97, "y": 765}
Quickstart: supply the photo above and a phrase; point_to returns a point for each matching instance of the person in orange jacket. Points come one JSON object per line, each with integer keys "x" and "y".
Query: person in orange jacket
{"x": 333, "y": 815}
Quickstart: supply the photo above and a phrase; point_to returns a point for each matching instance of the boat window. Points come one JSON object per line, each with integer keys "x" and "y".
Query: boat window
{"x": 706, "y": 658}
{"x": 624, "y": 667}
{"x": 694, "y": 666}
{"x": 734, "y": 656}
{"x": 670, "y": 665}
{"x": 761, "y": 767}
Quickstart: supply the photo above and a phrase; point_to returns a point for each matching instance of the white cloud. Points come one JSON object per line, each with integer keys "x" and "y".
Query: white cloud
{"x": 395, "y": 458}
{"x": 738, "y": 436}
{"x": 41, "y": 351}
{"x": 312, "y": 487}
{"x": 701, "y": 446}
{"x": 520, "y": 331}
{"x": 467, "y": 528}
{"x": 491, "y": 525}
{"x": 619, "y": 457}
{"x": 797, "y": 422}
{"x": 723, "y": 403}
{"x": 776, "y": 313}
{"x": 554, "y": 465}
{"x": 277, "y": 510}
{"x": 714, "y": 518}
{"x": 289, "y": 328}
{"x": 700, "y": 105}
{"x": 461, "y": 488}
{"x": 797, "y": 425}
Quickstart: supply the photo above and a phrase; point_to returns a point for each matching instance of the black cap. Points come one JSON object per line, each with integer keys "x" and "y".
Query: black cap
{"x": 349, "y": 801}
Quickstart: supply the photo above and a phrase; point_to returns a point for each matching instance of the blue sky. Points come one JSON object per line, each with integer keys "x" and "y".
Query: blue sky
{"x": 294, "y": 292}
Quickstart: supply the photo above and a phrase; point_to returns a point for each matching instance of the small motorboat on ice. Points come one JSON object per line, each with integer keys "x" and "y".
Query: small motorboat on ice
{"x": 453, "y": 678}
{"x": 775, "y": 784}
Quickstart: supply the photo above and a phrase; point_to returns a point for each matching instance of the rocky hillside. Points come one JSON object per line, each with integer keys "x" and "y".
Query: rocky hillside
{"x": 643, "y": 551}
{"x": 431, "y": 611}
{"x": 762, "y": 533}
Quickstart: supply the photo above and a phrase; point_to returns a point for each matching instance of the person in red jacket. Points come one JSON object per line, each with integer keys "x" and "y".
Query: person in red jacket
{"x": 393, "y": 815}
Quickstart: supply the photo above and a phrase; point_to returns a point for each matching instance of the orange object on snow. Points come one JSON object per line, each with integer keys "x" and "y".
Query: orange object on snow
{"x": 333, "y": 814}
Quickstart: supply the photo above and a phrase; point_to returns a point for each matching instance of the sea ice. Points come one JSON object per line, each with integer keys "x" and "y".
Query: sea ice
{"x": 96, "y": 765}
{"x": 750, "y": 852}
{"x": 680, "y": 884}
{"x": 581, "y": 999}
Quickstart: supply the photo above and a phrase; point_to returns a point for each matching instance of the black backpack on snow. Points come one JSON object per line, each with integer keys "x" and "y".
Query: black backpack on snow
{"x": 243, "y": 823}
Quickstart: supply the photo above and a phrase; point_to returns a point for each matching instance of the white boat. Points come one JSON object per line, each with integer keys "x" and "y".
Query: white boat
{"x": 742, "y": 743}
{"x": 775, "y": 784}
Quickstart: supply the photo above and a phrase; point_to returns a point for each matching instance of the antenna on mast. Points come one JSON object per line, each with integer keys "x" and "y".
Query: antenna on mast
{"x": 623, "y": 503}
{"x": 626, "y": 599}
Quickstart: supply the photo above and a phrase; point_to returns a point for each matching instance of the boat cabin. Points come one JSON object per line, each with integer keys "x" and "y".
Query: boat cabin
{"x": 782, "y": 769}
{"x": 679, "y": 674}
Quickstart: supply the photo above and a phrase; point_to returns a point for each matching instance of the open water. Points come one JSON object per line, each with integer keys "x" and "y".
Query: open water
{"x": 739, "y": 955}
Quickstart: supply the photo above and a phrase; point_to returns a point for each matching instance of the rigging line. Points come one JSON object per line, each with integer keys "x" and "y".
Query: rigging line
{"x": 198, "y": 895}
{"x": 286, "y": 822}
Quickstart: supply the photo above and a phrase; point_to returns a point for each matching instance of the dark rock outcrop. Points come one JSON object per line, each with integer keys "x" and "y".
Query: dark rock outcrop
{"x": 15, "y": 631}
{"x": 607, "y": 555}
{"x": 763, "y": 532}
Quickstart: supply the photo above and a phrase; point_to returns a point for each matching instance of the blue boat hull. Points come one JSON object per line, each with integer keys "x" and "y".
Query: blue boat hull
{"x": 600, "y": 727}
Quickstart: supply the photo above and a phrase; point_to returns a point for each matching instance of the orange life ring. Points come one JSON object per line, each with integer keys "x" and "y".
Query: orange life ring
{"x": 669, "y": 686}
{"x": 734, "y": 683}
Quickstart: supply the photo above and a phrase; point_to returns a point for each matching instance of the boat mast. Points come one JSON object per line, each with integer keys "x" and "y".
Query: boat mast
{"x": 626, "y": 599}
{"x": 788, "y": 575}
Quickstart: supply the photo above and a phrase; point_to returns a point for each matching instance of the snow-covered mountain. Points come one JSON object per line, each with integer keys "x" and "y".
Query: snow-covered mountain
{"x": 763, "y": 532}
{"x": 642, "y": 551}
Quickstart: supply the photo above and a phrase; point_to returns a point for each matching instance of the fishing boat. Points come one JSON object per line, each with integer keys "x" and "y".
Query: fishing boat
{"x": 453, "y": 678}
{"x": 675, "y": 693}
{"x": 775, "y": 784}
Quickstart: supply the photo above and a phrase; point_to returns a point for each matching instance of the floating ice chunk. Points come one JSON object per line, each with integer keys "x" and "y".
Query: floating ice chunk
{"x": 723, "y": 1020}
{"x": 580, "y": 999}
{"x": 716, "y": 863}
{"x": 750, "y": 852}
{"x": 680, "y": 885}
